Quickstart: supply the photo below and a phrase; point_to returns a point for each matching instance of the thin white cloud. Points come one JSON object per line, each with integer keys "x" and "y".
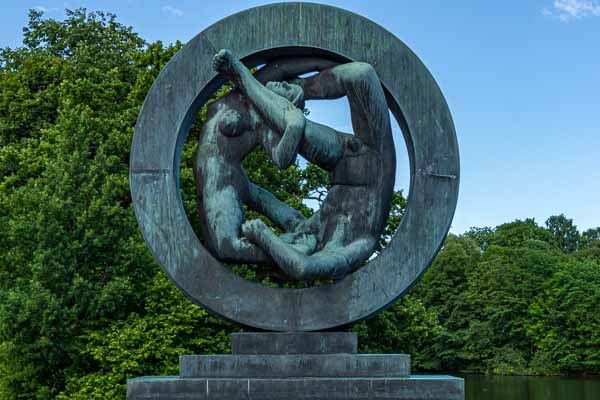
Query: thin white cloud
{"x": 45, "y": 10}
{"x": 173, "y": 11}
{"x": 570, "y": 10}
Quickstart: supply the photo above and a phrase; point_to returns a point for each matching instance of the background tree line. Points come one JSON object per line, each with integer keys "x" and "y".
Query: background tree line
{"x": 83, "y": 306}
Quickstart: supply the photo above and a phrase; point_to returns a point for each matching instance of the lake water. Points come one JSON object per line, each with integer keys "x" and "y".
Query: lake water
{"x": 481, "y": 387}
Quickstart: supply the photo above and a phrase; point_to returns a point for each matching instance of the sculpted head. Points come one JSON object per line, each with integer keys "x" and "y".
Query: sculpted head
{"x": 290, "y": 91}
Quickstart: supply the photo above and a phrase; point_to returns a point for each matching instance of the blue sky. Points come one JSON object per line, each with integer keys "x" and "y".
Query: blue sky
{"x": 522, "y": 79}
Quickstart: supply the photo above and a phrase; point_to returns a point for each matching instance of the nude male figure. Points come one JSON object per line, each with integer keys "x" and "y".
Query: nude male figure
{"x": 344, "y": 232}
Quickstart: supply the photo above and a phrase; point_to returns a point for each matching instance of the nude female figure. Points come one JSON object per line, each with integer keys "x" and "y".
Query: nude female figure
{"x": 344, "y": 232}
{"x": 232, "y": 130}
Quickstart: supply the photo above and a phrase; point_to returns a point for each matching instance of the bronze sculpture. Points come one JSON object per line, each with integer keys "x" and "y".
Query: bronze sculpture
{"x": 351, "y": 55}
{"x": 289, "y": 50}
{"x": 344, "y": 232}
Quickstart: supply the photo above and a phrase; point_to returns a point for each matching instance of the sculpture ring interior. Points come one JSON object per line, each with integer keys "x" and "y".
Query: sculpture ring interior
{"x": 344, "y": 232}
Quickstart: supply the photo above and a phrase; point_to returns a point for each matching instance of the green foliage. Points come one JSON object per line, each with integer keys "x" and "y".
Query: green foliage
{"x": 591, "y": 235}
{"x": 490, "y": 290}
{"x": 496, "y": 287}
{"x": 397, "y": 211}
{"x": 502, "y": 299}
{"x": 407, "y": 327}
{"x": 500, "y": 291}
{"x": 481, "y": 236}
{"x": 149, "y": 343}
{"x": 443, "y": 289}
{"x": 513, "y": 234}
{"x": 71, "y": 257}
{"x": 564, "y": 233}
{"x": 590, "y": 243}
{"x": 508, "y": 361}
{"x": 565, "y": 320}
{"x": 542, "y": 364}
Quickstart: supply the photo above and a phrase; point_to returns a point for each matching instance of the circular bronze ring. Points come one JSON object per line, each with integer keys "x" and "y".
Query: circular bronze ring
{"x": 260, "y": 35}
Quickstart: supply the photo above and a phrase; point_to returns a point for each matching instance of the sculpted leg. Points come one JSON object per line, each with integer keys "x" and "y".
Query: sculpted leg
{"x": 285, "y": 255}
{"x": 330, "y": 263}
{"x": 368, "y": 106}
{"x": 224, "y": 217}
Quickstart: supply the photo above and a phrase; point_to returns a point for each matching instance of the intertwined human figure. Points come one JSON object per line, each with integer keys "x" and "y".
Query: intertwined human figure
{"x": 344, "y": 232}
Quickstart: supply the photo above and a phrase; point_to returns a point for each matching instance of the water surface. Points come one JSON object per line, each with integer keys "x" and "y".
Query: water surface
{"x": 482, "y": 387}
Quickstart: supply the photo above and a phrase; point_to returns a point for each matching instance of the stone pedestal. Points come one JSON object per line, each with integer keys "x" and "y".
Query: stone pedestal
{"x": 293, "y": 366}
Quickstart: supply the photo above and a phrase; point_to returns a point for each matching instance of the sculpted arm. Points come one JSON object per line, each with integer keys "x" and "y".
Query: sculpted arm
{"x": 284, "y": 216}
{"x": 277, "y": 111}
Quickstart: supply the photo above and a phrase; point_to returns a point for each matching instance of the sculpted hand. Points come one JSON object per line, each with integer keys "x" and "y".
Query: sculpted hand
{"x": 252, "y": 229}
{"x": 298, "y": 81}
{"x": 223, "y": 62}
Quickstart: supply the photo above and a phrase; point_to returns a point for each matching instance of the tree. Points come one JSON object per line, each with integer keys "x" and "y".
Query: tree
{"x": 564, "y": 233}
{"x": 397, "y": 210}
{"x": 565, "y": 320}
{"x": 590, "y": 243}
{"x": 147, "y": 343}
{"x": 481, "y": 236}
{"x": 506, "y": 282}
{"x": 71, "y": 257}
{"x": 513, "y": 234}
{"x": 407, "y": 327}
{"x": 443, "y": 291}
{"x": 592, "y": 234}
